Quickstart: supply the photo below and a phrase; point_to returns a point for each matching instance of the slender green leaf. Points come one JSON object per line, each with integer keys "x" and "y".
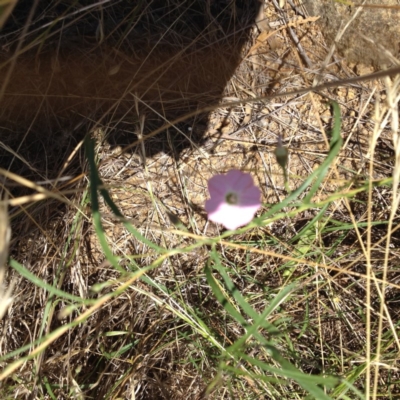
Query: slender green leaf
{"x": 46, "y": 286}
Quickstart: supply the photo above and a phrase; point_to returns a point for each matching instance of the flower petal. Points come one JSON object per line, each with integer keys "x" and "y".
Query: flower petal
{"x": 218, "y": 185}
{"x": 239, "y": 181}
{"x": 232, "y": 217}
{"x": 251, "y": 197}
{"x": 214, "y": 203}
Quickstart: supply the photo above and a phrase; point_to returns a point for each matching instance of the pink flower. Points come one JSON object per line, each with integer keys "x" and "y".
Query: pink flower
{"x": 234, "y": 199}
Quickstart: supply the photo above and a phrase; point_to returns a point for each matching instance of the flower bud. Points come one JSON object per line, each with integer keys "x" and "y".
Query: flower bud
{"x": 281, "y": 153}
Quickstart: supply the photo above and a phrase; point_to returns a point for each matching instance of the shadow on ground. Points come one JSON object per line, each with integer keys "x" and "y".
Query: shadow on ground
{"x": 113, "y": 65}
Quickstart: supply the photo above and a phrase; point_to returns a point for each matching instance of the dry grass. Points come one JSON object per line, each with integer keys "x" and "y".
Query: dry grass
{"x": 5, "y": 233}
{"x": 150, "y": 325}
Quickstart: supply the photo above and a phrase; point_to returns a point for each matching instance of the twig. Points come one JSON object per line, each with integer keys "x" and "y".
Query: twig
{"x": 294, "y": 37}
{"x": 296, "y": 9}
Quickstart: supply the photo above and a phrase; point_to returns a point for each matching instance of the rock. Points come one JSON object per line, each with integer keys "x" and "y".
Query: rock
{"x": 371, "y": 39}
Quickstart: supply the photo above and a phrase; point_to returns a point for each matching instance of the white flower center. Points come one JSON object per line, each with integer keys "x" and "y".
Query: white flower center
{"x": 231, "y": 198}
